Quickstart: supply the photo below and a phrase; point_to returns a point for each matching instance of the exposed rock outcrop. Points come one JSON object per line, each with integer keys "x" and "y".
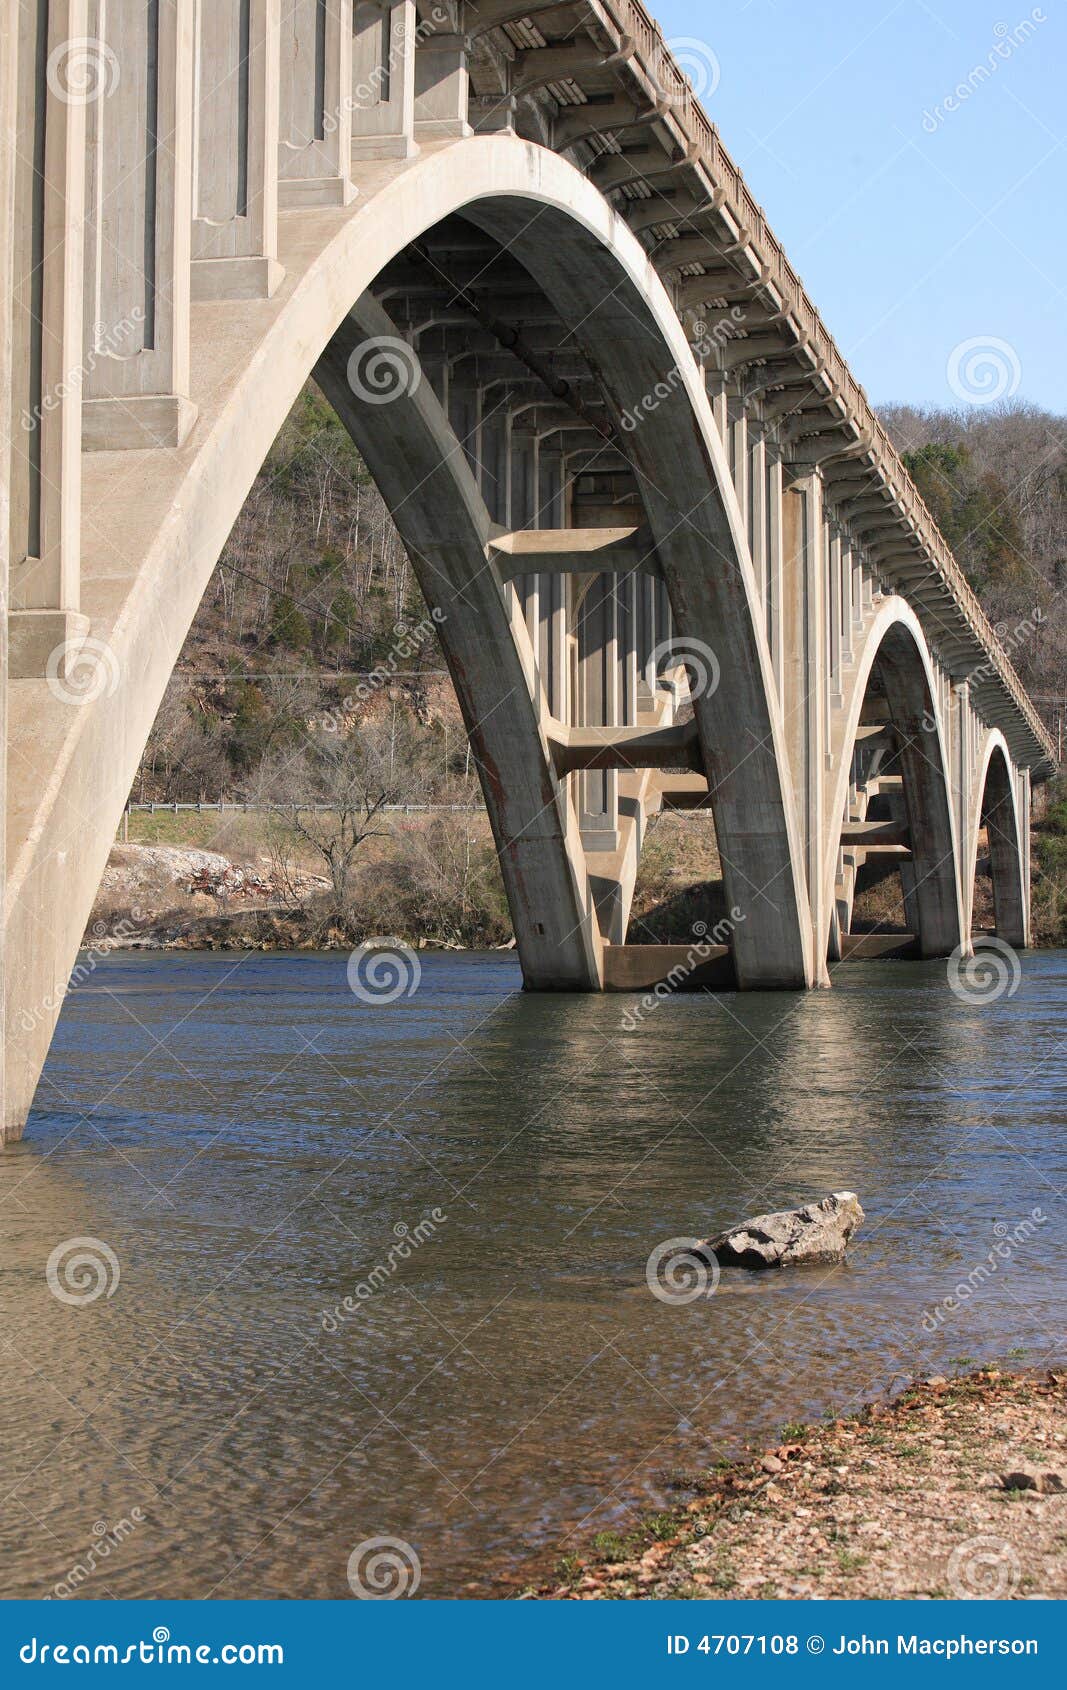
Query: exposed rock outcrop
{"x": 812, "y": 1236}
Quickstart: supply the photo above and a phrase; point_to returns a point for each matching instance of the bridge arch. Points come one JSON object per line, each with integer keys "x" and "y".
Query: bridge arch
{"x": 910, "y": 744}
{"x": 154, "y": 525}
{"x": 996, "y": 809}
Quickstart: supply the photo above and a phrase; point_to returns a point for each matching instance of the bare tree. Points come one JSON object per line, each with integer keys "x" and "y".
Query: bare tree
{"x": 333, "y": 795}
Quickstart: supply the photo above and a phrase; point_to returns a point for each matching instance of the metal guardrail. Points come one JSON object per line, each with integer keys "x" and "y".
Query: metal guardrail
{"x": 153, "y": 809}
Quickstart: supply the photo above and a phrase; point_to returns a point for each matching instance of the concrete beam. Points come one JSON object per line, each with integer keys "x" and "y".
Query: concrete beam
{"x": 574, "y": 551}
{"x": 876, "y": 833}
{"x": 576, "y": 749}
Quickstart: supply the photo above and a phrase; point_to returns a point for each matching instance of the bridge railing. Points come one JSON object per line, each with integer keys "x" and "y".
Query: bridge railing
{"x": 663, "y": 71}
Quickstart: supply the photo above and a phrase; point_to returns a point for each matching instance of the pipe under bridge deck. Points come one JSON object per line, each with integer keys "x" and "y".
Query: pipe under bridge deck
{"x": 674, "y": 559}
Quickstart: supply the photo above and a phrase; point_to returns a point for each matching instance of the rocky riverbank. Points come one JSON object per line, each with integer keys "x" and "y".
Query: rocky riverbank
{"x": 957, "y": 1488}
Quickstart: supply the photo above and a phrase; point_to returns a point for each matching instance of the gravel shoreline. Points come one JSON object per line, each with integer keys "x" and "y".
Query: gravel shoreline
{"x": 957, "y": 1488}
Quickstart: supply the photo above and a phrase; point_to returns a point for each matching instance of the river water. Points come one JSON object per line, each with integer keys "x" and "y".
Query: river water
{"x": 245, "y": 1142}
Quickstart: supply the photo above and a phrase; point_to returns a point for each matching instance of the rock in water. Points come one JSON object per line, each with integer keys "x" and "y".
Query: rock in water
{"x": 811, "y": 1237}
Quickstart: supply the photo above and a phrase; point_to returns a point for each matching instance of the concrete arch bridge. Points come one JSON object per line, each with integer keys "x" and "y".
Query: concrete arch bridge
{"x": 675, "y": 559}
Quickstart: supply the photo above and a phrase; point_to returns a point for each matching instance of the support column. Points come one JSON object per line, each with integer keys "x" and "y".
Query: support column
{"x": 835, "y": 616}
{"x": 8, "y": 152}
{"x": 235, "y": 150}
{"x": 139, "y": 229}
{"x": 757, "y": 512}
{"x": 45, "y": 294}
{"x": 963, "y": 760}
{"x": 775, "y": 566}
{"x": 1025, "y": 799}
{"x": 804, "y": 674}
{"x": 383, "y": 79}
{"x": 442, "y": 87}
{"x": 315, "y": 130}
{"x": 551, "y": 513}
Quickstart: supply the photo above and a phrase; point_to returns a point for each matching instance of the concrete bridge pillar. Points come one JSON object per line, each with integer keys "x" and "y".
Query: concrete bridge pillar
{"x": 315, "y": 120}
{"x": 804, "y": 676}
{"x": 139, "y": 229}
{"x": 235, "y": 153}
{"x": 442, "y": 86}
{"x": 45, "y": 288}
{"x": 383, "y": 79}
{"x": 9, "y": 78}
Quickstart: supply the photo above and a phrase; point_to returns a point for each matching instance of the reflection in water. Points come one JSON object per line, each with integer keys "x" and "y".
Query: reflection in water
{"x": 482, "y": 1174}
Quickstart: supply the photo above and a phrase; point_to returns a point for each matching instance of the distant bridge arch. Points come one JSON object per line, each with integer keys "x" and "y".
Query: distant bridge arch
{"x": 997, "y": 809}
{"x": 893, "y": 795}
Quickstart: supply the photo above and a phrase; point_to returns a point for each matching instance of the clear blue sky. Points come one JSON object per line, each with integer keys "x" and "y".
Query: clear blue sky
{"x": 911, "y": 236}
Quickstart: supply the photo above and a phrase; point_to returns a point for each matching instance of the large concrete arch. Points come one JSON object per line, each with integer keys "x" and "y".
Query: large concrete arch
{"x": 601, "y": 281}
{"x": 422, "y": 473}
{"x": 996, "y": 808}
{"x": 154, "y": 524}
{"x": 896, "y": 643}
